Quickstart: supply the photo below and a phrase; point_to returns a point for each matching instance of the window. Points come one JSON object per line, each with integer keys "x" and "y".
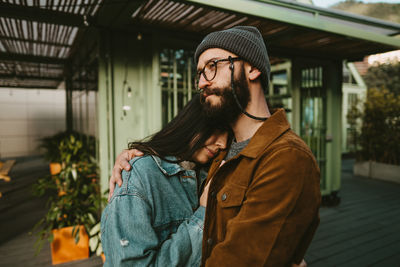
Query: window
{"x": 313, "y": 115}
{"x": 352, "y": 101}
{"x": 279, "y": 94}
{"x": 177, "y": 75}
{"x": 348, "y": 76}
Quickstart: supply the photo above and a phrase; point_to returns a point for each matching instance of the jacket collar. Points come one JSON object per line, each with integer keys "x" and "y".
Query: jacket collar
{"x": 270, "y": 130}
{"x": 168, "y": 168}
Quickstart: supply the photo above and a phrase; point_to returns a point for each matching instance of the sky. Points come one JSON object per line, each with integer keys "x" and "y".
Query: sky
{"x": 327, "y": 3}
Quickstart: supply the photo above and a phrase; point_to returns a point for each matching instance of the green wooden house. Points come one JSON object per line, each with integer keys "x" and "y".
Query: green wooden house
{"x": 138, "y": 58}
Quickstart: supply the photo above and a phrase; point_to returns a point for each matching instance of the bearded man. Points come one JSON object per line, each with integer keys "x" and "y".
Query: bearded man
{"x": 264, "y": 195}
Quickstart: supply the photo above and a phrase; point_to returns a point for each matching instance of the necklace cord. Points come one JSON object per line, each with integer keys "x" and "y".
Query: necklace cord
{"x": 231, "y": 66}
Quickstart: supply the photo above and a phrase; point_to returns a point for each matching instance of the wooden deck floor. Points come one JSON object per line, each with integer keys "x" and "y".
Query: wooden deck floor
{"x": 364, "y": 230}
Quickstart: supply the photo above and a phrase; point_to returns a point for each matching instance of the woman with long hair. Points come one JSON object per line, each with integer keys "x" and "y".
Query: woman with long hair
{"x": 156, "y": 218}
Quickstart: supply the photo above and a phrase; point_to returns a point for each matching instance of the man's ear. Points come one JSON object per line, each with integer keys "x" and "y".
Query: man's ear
{"x": 254, "y": 73}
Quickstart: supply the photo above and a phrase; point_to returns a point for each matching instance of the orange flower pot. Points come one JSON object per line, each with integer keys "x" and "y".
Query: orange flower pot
{"x": 63, "y": 247}
{"x": 55, "y": 168}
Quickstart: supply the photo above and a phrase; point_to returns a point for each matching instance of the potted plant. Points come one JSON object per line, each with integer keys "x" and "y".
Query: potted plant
{"x": 75, "y": 209}
{"x": 50, "y": 144}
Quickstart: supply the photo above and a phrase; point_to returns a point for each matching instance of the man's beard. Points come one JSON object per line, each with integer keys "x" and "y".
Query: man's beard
{"x": 227, "y": 111}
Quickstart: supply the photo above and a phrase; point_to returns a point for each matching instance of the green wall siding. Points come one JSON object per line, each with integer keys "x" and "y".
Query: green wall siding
{"x": 126, "y": 58}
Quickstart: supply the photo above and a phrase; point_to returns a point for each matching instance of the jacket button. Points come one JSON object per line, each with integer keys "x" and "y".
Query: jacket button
{"x": 223, "y": 197}
{"x": 213, "y": 193}
{"x": 209, "y": 241}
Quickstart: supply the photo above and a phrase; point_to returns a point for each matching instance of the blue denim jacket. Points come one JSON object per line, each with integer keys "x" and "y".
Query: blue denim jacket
{"x": 154, "y": 218}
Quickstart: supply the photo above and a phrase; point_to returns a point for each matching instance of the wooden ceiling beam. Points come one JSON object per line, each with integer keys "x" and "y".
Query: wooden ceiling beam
{"x": 28, "y": 86}
{"x": 31, "y": 58}
{"x": 32, "y": 13}
{"x": 20, "y": 77}
{"x": 6, "y": 38}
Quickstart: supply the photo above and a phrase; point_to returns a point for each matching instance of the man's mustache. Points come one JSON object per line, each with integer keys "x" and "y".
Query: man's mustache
{"x": 208, "y": 91}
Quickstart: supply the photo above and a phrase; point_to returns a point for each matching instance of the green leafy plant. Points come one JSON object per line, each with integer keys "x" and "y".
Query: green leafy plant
{"x": 384, "y": 76}
{"x": 75, "y": 197}
{"x": 95, "y": 239}
{"x": 379, "y": 137}
{"x": 50, "y": 144}
{"x": 354, "y": 119}
{"x": 380, "y": 132}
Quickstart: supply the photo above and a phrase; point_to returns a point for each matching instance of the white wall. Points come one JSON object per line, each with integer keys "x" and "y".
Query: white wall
{"x": 26, "y": 115}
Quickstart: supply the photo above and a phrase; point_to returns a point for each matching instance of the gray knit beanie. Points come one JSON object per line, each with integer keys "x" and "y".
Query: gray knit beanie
{"x": 244, "y": 41}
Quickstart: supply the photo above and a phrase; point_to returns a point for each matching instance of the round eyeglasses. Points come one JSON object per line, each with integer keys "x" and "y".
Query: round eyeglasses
{"x": 209, "y": 70}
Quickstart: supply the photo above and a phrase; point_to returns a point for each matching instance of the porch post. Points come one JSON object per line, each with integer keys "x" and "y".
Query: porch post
{"x": 334, "y": 124}
{"x": 68, "y": 92}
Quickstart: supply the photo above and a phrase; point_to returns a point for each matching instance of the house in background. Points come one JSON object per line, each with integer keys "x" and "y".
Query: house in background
{"x": 355, "y": 90}
{"x": 136, "y": 58}
{"x": 354, "y": 93}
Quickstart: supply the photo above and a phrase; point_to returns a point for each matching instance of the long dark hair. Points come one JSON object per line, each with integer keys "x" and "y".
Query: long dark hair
{"x": 183, "y": 135}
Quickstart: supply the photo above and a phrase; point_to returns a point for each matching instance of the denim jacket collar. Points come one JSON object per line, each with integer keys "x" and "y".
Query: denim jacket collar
{"x": 168, "y": 168}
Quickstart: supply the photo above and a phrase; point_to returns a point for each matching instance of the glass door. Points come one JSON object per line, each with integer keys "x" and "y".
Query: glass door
{"x": 177, "y": 71}
{"x": 313, "y": 115}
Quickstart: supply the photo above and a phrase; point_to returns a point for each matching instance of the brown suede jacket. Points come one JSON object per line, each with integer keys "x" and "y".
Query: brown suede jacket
{"x": 263, "y": 204}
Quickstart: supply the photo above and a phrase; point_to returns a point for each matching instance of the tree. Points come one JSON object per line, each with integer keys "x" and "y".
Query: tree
{"x": 384, "y": 76}
{"x": 380, "y": 132}
{"x": 379, "y": 138}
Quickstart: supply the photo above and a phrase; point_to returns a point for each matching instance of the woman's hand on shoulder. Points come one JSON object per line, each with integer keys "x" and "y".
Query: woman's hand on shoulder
{"x": 121, "y": 163}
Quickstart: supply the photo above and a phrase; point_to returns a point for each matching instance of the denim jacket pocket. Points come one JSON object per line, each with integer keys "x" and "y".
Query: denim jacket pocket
{"x": 231, "y": 196}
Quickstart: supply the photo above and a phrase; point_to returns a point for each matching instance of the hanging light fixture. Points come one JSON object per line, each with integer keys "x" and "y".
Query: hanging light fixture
{"x": 126, "y": 91}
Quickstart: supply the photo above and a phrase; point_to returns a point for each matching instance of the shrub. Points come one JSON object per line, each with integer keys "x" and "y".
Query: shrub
{"x": 380, "y": 132}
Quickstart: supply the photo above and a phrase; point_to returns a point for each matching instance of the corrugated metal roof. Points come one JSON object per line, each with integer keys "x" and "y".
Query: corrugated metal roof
{"x": 285, "y": 36}
{"x": 39, "y": 37}
{"x": 36, "y": 39}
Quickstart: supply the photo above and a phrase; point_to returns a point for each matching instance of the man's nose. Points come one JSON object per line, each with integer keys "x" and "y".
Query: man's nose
{"x": 203, "y": 82}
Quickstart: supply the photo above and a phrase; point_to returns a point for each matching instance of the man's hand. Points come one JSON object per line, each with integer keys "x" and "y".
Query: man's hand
{"x": 302, "y": 264}
{"x": 121, "y": 163}
{"x": 204, "y": 195}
